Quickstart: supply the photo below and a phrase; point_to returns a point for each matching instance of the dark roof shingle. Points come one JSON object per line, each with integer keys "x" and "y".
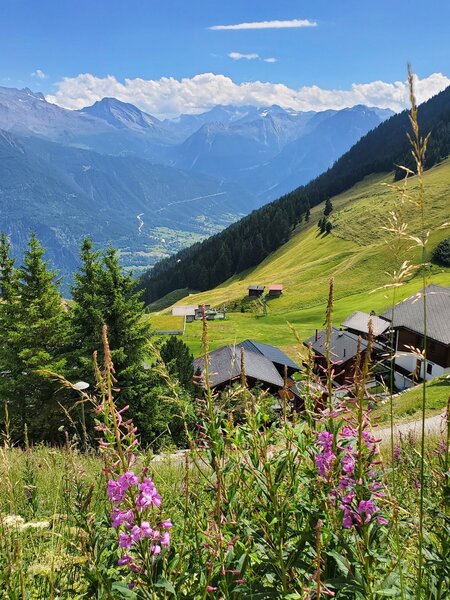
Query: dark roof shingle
{"x": 225, "y": 366}
{"x": 359, "y": 321}
{"x": 409, "y": 313}
{"x": 273, "y": 353}
{"x": 343, "y": 344}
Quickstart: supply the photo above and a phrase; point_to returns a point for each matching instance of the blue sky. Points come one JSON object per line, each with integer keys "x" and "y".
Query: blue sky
{"x": 352, "y": 42}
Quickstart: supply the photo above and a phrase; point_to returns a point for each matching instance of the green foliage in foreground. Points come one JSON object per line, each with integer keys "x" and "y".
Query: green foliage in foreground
{"x": 271, "y": 533}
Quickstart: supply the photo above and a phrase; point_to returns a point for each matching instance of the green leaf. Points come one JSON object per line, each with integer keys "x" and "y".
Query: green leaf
{"x": 164, "y": 583}
{"x": 122, "y": 587}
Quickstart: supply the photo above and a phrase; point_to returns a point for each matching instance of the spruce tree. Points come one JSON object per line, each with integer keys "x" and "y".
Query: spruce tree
{"x": 37, "y": 342}
{"x": 87, "y": 315}
{"x": 103, "y": 294}
{"x": 8, "y": 318}
{"x": 178, "y": 360}
{"x": 8, "y": 274}
{"x": 328, "y": 207}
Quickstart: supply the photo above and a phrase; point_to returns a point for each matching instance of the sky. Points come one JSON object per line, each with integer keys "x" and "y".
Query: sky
{"x": 184, "y": 56}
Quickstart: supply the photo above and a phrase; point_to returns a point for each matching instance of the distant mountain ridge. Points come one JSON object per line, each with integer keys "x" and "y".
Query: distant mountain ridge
{"x": 240, "y": 144}
{"x": 92, "y": 171}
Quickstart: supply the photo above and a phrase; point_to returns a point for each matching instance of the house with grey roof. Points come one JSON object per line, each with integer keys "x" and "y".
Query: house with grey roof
{"x": 281, "y": 361}
{"x": 407, "y": 320}
{"x": 344, "y": 347}
{"x": 263, "y": 365}
{"x": 358, "y": 323}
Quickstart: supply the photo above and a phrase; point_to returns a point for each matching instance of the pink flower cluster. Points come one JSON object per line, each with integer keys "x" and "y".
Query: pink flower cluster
{"x": 325, "y": 458}
{"x": 356, "y": 497}
{"x": 131, "y": 498}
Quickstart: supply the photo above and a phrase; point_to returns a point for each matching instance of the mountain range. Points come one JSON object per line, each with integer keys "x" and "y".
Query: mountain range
{"x": 150, "y": 186}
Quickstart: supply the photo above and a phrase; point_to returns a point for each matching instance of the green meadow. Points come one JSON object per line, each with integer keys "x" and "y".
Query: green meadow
{"x": 355, "y": 254}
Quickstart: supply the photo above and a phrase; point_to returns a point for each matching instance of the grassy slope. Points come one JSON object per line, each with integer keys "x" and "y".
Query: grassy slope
{"x": 409, "y": 403}
{"x": 354, "y": 254}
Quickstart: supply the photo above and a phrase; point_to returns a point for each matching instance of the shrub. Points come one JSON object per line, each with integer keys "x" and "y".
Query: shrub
{"x": 441, "y": 254}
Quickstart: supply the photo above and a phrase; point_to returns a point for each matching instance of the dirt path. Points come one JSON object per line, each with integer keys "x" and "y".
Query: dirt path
{"x": 434, "y": 424}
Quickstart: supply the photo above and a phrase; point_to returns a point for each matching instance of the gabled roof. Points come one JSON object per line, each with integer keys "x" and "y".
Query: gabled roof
{"x": 276, "y": 287}
{"x": 258, "y": 288}
{"x": 343, "y": 344}
{"x": 225, "y": 366}
{"x": 359, "y": 321}
{"x": 409, "y": 314}
{"x": 274, "y": 354}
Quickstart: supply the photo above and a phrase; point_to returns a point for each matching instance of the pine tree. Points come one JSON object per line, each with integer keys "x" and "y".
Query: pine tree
{"x": 123, "y": 313}
{"x": 328, "y": 227}
{"x": 103, "y": 294}
{"x": 8, "y": 306}
{"x": 87, "y": 315}
{"x": 178, "y": 359}
{"x": 37, "y": 342}
{"x": 328, "y": 207}
{"x": 8, "y": 274}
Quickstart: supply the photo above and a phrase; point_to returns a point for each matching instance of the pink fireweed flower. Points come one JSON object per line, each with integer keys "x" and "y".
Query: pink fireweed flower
{"x": 125, "y": 559}
{"x": 166, "y": 524}
{"x": 146, "y": 530}
{"x": 347, "y": 521}
{"x": 115, "y": 491}
{"x": 366, "y": 508}
{"x": 127, "y": 480}
{"x": 165, "y": 539}
{"x": 156, "y": 549}
{"x": 118, "y": 517}
{"x": 125, "y": 540}
{"x": 136, "y": 533}
{"x": 145, "y": 500}
{"x": 348, "y": 463}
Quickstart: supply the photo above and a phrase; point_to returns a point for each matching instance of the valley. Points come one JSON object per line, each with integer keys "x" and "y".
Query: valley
{"x": 152, "y": 187}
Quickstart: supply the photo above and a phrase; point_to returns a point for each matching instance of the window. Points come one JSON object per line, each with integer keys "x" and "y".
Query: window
{"x": 429, "y": 368}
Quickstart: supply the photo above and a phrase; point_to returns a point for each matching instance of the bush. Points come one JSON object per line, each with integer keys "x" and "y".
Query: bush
{"x": 441, "y": 254}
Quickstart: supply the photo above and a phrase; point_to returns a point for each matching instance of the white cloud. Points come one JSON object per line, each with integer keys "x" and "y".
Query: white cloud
{"x": 39, "y": 74}
{"x": 266, "y": 25}
{"x": 169, "y": 96}
{"x": 271, "y": 59}
{"x": 239, "y": 56}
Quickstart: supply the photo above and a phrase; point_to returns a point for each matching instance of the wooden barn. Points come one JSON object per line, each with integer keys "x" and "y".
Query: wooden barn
{"x": 255, "y": 290}
{"x": 275, "y": 290}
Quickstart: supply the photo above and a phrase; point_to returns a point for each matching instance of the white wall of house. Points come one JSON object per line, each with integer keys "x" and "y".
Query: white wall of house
{"x": 183, "y": 310}
{"x": 408, "y": 361}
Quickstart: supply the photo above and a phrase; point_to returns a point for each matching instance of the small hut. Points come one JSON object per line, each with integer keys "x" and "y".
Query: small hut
{"x": 275, "y": 290}
{"x": 255, "y": 290}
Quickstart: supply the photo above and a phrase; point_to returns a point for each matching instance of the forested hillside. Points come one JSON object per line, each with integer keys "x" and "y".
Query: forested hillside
{"x": 249, "y": 241}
